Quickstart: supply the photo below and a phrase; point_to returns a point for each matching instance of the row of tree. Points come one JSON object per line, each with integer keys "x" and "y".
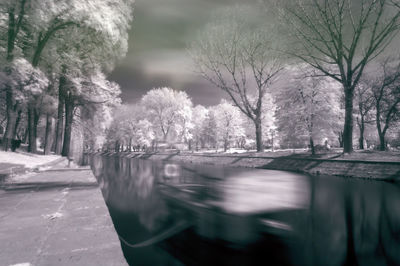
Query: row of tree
{"x": 55, "y": 56}
{"x": 305, "y": 110}
{"x": 313, "y": 107}
{"x": 244, "y": 53}
{"x": 167, "y": 116}
{"x": 378, "y": 101}
{"x": 308, "y": 68}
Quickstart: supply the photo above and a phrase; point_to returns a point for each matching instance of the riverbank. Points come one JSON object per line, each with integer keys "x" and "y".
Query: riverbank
{"x": 368, "y": 165}
{"x": 56, "y": 217}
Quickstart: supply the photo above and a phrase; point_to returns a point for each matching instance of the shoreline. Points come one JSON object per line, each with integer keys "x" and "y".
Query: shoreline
{"x": 300, "y": 163}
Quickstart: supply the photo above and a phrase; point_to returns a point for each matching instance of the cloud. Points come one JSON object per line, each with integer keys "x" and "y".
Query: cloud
{"x": 157, "y": 55}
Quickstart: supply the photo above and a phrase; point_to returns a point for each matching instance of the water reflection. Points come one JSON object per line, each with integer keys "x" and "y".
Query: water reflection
{"x": 194, "y": 214}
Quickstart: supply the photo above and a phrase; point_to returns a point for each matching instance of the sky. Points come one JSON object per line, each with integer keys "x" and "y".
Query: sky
{"x": 158, "y": 49}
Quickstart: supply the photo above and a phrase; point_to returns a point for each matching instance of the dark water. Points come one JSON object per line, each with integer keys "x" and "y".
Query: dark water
{"x": 170, "y": 214}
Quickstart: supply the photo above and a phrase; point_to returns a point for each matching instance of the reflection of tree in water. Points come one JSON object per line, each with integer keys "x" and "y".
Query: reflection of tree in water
{"x": 390, "y": 224}
{"x": 350, "y": 221}
{"x": 375, "y": 220}
{"x": 328, "y": 229}
{"x": 354, "y": 223}
{"x": 128, "y": 185}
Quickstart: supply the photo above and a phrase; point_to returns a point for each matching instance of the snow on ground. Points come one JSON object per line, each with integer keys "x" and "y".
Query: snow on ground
{"x": 20, "y": 178}
{"x": 29, "y": 160}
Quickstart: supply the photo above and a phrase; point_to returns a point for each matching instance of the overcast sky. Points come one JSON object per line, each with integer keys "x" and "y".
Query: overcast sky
{"x": 157, "y": 56}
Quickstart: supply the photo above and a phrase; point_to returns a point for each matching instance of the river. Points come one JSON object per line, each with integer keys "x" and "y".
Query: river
{"x": 187, "y": 214}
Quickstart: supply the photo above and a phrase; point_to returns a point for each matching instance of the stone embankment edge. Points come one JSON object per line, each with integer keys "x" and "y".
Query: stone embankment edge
{"x": 375, "y": 170}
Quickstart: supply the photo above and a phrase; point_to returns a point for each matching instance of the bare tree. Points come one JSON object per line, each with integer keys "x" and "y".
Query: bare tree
{"x": 339, "y": 38}
{"x": 365, "y": 104}
{"x": 240, "y": 60}
{"x": 386, "y": 94}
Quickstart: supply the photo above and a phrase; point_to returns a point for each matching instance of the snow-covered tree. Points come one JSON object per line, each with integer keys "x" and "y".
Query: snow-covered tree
{"x": 104, "y": 33}
{"x": 307, "y": 107}
{"x": 168, "y": 110}
{"x": 130, "y": 128}
{"x": 117, "y": 133}
{"x": 88, "y": 93}
{"x": 267, "y": 122}
{"x": 229, "y": 123}
{"x": 209, "y": 132}
{"x": 143, "y": 133}
{"x": 12, "y": 14}
{"x": 27, "y": 84}
{"x": 51, "y": 33}
{"x": 200, "y": 114}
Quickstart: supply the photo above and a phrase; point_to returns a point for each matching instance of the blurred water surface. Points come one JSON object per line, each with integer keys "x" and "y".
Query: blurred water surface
{"x": 187, "y": 214}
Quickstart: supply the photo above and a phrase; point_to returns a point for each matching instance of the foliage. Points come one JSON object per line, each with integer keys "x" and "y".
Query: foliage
{"x": 229, "y": 123}
{"x": 74, "y": 41}
{"x": 27, "y": 81}
{"x": 169, "y": 110}
{"x": 307, "y": 107}
{"x": 209, "y": 132}
{"x": 268, "y": 120}
{"x": 200, "y": 115}
{"x": 130, "y": 128}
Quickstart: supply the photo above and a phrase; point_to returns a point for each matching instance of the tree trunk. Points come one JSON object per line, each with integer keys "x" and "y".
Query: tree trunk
{"x": 130, "y": 145}
{"x": 31, "y": 137}
{"x": 382, "y": 143}
{"x": 381, "y": 133}
{"x": 259, "y": 140}
{"x": 60, "y": 118}
{"x": 25, "y": 138}
{"x": 33, "y": 119}
{"x": 225, "y": 145}
{"x": 312, "y": 146}
{"x": 361, "y": 139}
{"x": 340, "y": 139}
{"x": 190, "y": 145}
{"x": 49, "y": 134}
{"x": 9, "y": 133}
{"x": 272, "y": 141}
{"x": 348, "y": 121}
{"x": 12, "y": 114}
{"x": 69, "y": 111}
{"x": 17, "y": 124}
{"x": 12, "y": 106}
